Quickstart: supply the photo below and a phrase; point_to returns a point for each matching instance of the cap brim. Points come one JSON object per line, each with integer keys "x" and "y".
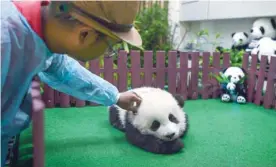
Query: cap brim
{"x": 132, "y": 37}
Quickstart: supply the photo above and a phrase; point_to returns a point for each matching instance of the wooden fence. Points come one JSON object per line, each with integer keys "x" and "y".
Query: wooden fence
{"x": 184, "y": 79}
{"x": 187, "y": 84}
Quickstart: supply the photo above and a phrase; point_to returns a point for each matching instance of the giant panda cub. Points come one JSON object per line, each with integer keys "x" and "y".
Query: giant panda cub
{"x": 156, "y": 125}
{"x": 240, "y": 41}
{"x": 235, "y": 89}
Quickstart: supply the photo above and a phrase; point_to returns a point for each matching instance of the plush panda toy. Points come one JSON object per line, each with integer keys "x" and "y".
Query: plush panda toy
{"x": 235, "y": 89}
{"x": 240, "y": 41}
{"x": 266, "y": 47}
{"x": 262, "y": 27}
{"x": 156, "y": 125}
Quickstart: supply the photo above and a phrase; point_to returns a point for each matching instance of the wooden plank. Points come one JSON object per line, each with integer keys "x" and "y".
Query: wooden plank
{"x": 108, "y": 69}
{"x": 226, "y": 60}
{"x": 160, "y": 69}
{"x": 194, "y": 75}
{"x": 252, "y": 78}
{"x": 183, "y": 74}
{"x": 172, "y": 72}
{"x": 48, "y": 96}
{"x": 216, "y": 65}
{"x": 269, "y": 96}
{"x": 94, "y": 67}
{"x": 260, "y": 81}
{"x": 64, "y": 100}
{"x": 205, "y": 75}
{"x": 148, "y": 65}
{"x": 57, "y": 97}
{"x": 245, "y": 61}
{"x": 38, "y": 107}
{"x": 122, "y": 71}
{"x": 80, "y": 103}
{"x": 135, "y": 69}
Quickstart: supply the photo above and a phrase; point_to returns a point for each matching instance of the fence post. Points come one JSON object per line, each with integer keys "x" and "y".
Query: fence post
{"x": 148, "y": 65}
{"x": 252, "y": 78}
{"x": 194, "y": 75}
{"x": 270, "y": 96}
{"x": 245, "y": 62}
{"x": 183, "y": 74}
{"x": 172, "y": 72}
{"x": 226, "y": 60}
{"x": 79, "y": 103}
{"x": 48, "y": 96}
{"x": 216, "y": 65}
{"x": 122, "y": 71}
{"x": 94, "y": 67}
{"x": 205, "y": 75}
{"x": 135, "y": 69}
{"x": 260, "y": 81}
{"x": 38, "y": 126}
{"x": 160, "y": 69}
{"x": 108, "y": 69}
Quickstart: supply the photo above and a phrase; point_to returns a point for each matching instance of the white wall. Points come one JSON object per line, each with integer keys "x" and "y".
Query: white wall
{"x": 223, "y": 26}
{"x": 173, "y": 17}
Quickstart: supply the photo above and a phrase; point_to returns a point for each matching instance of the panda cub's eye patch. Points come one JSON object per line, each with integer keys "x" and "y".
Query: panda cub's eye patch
{"x": 173, "y": 119}
{"x": 262, "y": 30}
{"x": 155, "y": 125}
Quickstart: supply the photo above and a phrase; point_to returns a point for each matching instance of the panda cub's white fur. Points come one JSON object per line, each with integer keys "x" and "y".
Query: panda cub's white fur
{"x": 266, "y": 47}
{"x": 159, "y": 114}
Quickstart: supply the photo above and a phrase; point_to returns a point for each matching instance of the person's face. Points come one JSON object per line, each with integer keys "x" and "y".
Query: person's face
{"x": 75, "y": 39}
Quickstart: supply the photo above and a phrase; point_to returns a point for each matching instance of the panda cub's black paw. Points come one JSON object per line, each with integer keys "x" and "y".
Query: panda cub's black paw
{"x": 241, "y": 100}
{"x": 225, "y": 98}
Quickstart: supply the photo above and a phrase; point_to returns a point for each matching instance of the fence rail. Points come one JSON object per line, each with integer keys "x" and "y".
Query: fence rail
{"x": 190, "y": 78}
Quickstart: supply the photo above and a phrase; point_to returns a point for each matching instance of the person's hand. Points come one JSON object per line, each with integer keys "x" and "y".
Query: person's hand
{"x": 128, "y": 99}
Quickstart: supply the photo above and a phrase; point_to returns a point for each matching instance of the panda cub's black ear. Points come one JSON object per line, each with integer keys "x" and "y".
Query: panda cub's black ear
{"x": 273, "y": 23}
{"x": 224, "y": 69}
{"x": 233, "y": 34}
{"x": 180, "y": 100}
{"x": 245, "y": 34}
{"x": 243, "y": 70}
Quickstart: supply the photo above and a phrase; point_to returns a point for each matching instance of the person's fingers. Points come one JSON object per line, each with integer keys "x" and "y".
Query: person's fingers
{"x": 137, "y": 99}
{"x": 137, "y": 96}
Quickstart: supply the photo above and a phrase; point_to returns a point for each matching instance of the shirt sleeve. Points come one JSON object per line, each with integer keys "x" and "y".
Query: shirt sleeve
{"x": 67, "y": 75}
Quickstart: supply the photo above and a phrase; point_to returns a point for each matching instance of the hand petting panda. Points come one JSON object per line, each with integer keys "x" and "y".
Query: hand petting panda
{"x": 234, "y": 90}
{"x": 156, "y": 125}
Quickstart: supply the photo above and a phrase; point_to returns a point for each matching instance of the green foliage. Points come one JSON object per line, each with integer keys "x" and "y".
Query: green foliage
{"x": 154, "y": 28}
{"x": 221, "y": 78}
{"x": 236, "y": 56}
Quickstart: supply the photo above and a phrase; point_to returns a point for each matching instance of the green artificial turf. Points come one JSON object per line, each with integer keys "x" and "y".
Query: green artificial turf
{"x": 220, "y": 135}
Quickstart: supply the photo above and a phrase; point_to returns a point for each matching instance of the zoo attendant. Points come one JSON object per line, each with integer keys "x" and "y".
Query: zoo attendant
{"x": 36, "y": 38}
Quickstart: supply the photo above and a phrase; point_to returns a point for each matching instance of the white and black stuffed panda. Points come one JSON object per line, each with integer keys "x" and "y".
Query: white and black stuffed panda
{"x": 240, "y": 41}
{"x": 235, "y": 89}
{"x": 156, "y": 125}
{"x": 266, "y": 47}
{"x": 262, "y": 27}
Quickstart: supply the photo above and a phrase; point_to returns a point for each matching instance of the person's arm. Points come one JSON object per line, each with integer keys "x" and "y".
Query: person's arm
{"x": 66, "y": 75}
